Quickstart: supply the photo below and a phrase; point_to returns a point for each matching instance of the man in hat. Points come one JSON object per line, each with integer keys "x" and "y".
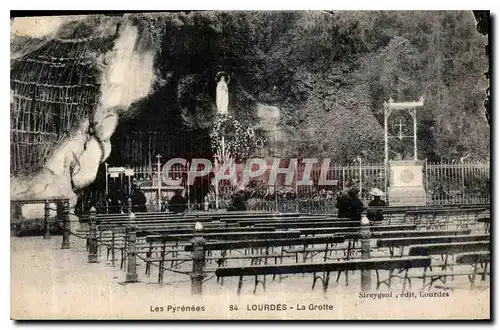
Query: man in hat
{"x": 375, "y": 212}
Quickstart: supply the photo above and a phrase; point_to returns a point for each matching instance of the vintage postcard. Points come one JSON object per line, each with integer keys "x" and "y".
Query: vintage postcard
{"x": 230, "y": 165}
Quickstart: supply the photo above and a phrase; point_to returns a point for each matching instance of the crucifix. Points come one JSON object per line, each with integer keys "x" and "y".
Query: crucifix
{"x": 400, "y": 130}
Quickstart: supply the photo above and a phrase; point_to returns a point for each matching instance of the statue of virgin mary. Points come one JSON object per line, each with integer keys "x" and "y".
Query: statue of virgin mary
{"x": 222, "y": 95}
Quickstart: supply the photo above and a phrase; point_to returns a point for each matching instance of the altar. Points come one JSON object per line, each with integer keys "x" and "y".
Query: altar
{"x": 406, "y": 184}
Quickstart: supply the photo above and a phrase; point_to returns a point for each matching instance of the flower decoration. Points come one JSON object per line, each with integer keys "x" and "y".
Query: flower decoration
{"x": 237, "y": 140}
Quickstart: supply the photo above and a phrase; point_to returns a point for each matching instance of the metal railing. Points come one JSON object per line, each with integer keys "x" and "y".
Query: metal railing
{"x": 445, "y": 183}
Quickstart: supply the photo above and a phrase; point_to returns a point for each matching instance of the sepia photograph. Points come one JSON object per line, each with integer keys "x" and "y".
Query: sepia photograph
{"x": 250, "y": 165}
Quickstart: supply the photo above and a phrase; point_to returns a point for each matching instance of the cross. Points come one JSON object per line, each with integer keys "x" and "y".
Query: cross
{"x": 400, "y": 130}
{"x": 158, "y": 161}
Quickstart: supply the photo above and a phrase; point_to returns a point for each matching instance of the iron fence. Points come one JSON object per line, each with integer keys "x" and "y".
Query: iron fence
{"x": 445, "y": 183}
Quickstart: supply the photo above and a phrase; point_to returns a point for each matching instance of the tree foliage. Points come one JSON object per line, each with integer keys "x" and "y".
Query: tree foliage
{"x": 329, "y": 73}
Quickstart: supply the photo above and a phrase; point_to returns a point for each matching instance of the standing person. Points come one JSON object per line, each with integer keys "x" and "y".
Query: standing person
{"x": 355, "y": 205}
{"x": 114, "y": 203}
{"x": 238, "y": 202}
{"x": 374, "y": 211}
{"x": 178, "y": 202}
{"x": 100, "y": 204}
{"x": 138, "y": 200}
{"x": 342, "y": 205}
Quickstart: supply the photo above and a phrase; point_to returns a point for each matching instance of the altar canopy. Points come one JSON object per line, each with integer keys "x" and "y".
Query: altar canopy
{"x": 406, "y": 184}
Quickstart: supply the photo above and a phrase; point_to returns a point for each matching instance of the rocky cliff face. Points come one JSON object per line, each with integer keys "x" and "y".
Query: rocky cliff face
{"x": 126, "y": 77}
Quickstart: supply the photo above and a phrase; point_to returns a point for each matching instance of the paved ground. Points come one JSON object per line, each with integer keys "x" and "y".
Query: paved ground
{"x": 47, "y": 282}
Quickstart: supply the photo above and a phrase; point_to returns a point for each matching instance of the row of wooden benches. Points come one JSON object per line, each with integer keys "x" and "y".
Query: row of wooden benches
{"x": 224, "y": 246}
{"x": 407, "y": 212}
{"x": 238, "y": 234}
{"x": 477, "y": 260}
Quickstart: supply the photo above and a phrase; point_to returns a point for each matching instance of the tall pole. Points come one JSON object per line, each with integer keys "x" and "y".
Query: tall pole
{"x": 414, "y": 133}
{"x": 150, "y": 160}
{"x": 107, "y": 188}
{"x": 216, "y": 185}
{"x": 386, "y": 151}
{"x": 296, "y": 174}
{"x": 158, "y": 169}
{"x": 129, "y": 187}
{"x": 360, "y": 178}
{"x": 187, "y": 187}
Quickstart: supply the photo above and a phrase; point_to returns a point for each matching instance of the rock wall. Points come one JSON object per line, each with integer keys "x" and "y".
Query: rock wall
{"x": 127, "y": 77}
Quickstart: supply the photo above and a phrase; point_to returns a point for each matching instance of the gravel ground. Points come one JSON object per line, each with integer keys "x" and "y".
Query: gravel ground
{"x": 50, "y": 283}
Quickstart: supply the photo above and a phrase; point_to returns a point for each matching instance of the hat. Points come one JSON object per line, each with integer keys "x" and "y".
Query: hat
{"x": 376, "y": 192}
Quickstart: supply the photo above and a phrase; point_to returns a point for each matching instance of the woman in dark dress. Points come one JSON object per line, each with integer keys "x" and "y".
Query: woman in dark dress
{"x": 138, "y": 200}
{"x": 178, "y": 203}
{"x": 343, "y": 205}
{"x": 355, "y": 205}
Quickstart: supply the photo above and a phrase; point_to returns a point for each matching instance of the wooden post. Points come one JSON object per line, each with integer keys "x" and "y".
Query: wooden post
{"x": 65, "y": 223}
{"x": 366, "y": 234}
{"x": 46, "y": 223}
{"x": 129, "y": 205}
{"x": 92, "y": 236}
{"x": 131, "y": 251}
{"x": 198, "y": 260}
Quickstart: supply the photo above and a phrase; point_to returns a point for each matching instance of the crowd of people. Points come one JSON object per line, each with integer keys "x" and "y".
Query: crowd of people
{"x": 115, "y": 201}
{"x": 348, "y": 203}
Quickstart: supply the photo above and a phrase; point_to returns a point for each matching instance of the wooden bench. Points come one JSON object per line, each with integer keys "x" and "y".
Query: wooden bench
{"x": 227, "y": 236}
{"x": 225, "y": 246}
{"x": 486, "y": 221}
{"x": 445, "y": 250}
{"x": 418, "y": 233}
{"x": 330, "y": 224}
{"x": 479, "y": 262}
{"x": 441, "y": 217}
{"x": 311, "y": 217}
{"x": 326, "y": 268}
{"x": 355, "y": 236}
{"x": 401, "y": 243}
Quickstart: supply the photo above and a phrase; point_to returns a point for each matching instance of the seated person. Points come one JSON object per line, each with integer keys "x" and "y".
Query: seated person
{"x": 178, "y": 203}
{"x": 374, "y": 213}
{"x": 356, "y": 206}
